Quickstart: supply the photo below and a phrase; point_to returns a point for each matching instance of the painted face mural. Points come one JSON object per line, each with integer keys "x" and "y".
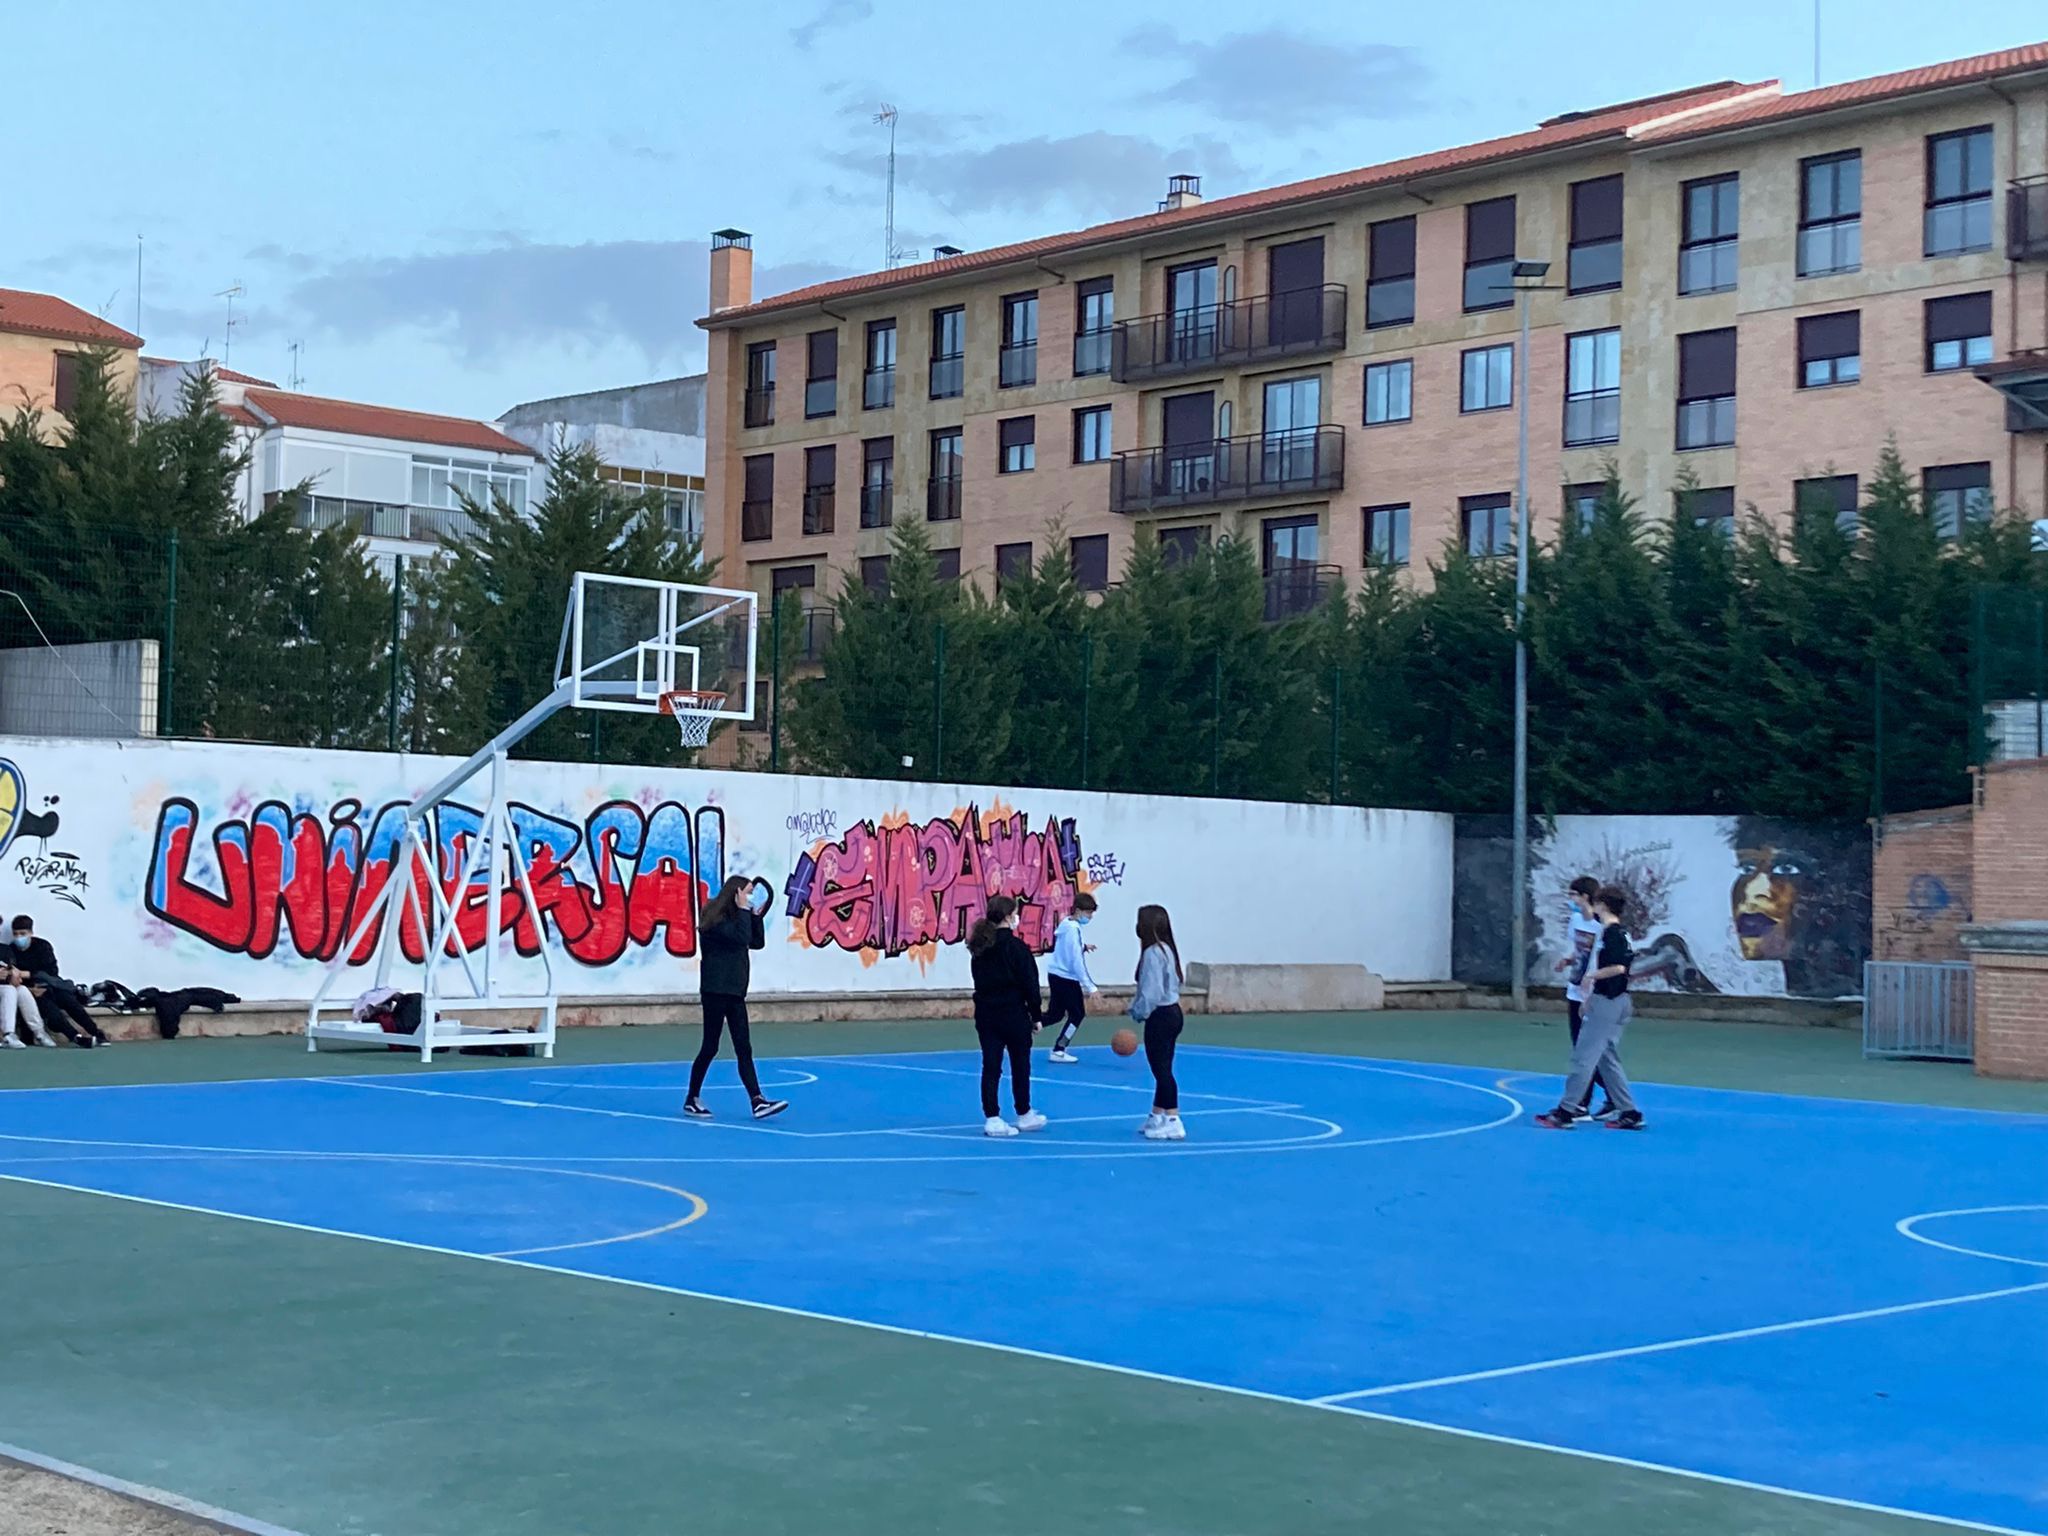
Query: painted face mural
{"x": 1765, "y": 899}
{"x": 1801, "y": 896}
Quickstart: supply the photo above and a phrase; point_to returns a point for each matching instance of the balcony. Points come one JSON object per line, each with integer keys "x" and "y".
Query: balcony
{"x": 1017, "y": 365}
{"x": 875, "y": 503}
{"x": 1706, "y": 423}
{"x": 1092, "y": 351}
{"x": 948, "y": 376}
{"x": 1293, "y": 590}
{"x": 2023, "y": 380}
{"x": 1303, "y": 323}
{"x": 1227, "y": 469}
{"x": 1592, "y": 418}
{"x": 757, "y": 520}
{"x": 942, "y": 499}
{"x": 878, "y": 389}
{"x": 818, "y": 506}
{"x": 761, "y": 406}
{"x": 2026, "y": 220}
{"x": 383, "y": 520}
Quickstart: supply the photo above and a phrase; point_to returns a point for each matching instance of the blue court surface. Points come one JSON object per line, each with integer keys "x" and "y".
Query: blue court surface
{"x": 1844, "y": 1300}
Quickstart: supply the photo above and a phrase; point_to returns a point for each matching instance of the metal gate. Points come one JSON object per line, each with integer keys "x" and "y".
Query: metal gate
{"x": 1919, "y": 1008}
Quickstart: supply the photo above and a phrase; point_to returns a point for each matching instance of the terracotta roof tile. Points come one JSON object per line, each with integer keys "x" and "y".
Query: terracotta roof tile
{"x": 1930, "y": 77}
{"x": 240, "y": 417}
{"x": 316, "y": 414}
{"x": 1570, "y": 131}
{"x": 43, "y": 314}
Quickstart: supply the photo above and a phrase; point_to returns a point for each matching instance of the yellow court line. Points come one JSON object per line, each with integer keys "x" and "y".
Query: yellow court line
{"x": 698, "y": 1206}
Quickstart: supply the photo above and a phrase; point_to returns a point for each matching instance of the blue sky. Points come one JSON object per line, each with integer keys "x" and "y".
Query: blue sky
{"x": 457, "y": 206}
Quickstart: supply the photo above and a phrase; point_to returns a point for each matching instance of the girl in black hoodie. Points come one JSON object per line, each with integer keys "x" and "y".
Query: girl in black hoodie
{"x": 729, "y": 931}
{"x": 1006, "y": 1009}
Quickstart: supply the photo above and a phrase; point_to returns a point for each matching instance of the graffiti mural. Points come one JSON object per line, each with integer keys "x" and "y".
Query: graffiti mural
{"x": 622, "y": 877}
{"x": 897, "y": 886}
{"x": 42, "y": 870}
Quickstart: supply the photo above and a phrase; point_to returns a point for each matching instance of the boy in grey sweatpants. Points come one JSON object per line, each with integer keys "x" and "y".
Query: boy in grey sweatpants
{"x": 1601, "y": 1021}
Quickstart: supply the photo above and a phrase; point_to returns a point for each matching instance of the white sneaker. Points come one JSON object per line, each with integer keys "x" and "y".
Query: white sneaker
{"x": 996, "y": 1125}
{"x": 1033, "y": 1121}
{"x": 1168, "y": 1128}
{"x": 1063, "y": 1056}
{"x": 1150, "y": 1120}
{"x": 12, "y": 1042}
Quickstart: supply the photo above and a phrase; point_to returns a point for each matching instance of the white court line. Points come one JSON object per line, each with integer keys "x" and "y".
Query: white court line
{"x": 1066, "y": 1082}
{"x": 572, "y": 1109}
{"x": 1126, "y": 1118}
{"x": 681, "y": 1085}
{"x": 1732, "y": 1335}
{"x": 1906, "y": 1227}
{"x": 1017, "y": 1351}
{"x": 142, "y": 1493}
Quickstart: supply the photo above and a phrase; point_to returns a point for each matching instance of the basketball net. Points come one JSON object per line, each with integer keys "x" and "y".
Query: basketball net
{"x": 693, "y": 711}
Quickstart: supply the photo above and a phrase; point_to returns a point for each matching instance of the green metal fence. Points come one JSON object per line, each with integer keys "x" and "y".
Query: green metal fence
{"x": 2008, "y": 674}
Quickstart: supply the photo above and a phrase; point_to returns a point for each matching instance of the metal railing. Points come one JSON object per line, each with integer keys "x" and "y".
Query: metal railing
{"x": 1307, "y": 461}
{"x": 819, "y": 501}
{"x": 760, "y": 408}
{"x": 1093, "y": 351}
{"x": 1292, "y": 590}
{"x": 942, "y": 498}
{"x": 878, "y": 389}
{"x": 1925, "y": 1009}
{"x": 1592, "y": 418}
{"x": 814, "y": 632}
{"x": 1303, "y": 322}
{"x": 1017, "y": 365}
{"x": 875, "y": 504}
{"x": 948, "y": 376}
{"x": 1708, "y": 423}
{"x": 2026, "y": 219}
{"x": 821, "y": 397}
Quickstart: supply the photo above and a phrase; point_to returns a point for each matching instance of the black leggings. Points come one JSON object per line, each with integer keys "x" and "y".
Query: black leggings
{"x": 720, "y": 1010}
{"x": 1162, "y": 1034}
{"x": 998, "y": 1041}
{"x": 1068, "y": 1006}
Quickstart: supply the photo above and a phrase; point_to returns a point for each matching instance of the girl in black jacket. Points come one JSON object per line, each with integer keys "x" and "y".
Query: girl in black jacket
{"x": 1006, "y": 1009}
{"x": 729, "y": 929}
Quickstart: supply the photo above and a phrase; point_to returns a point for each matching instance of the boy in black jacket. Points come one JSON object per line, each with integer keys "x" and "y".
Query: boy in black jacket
{"x": 62, "y": 1005}
{"x": 1606, "y": 1014}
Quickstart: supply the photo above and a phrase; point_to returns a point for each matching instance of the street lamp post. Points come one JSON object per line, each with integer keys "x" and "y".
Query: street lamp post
{"x": 1528, "y": 279}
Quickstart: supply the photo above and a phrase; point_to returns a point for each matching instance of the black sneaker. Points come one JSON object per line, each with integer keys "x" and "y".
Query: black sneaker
{"x": 1630, "y": 1120}
{"x": 695, "y": 1110}
{"x": 766, "y": 1109}
{"x": 1561, "y": 1118}
{"x": 1605, "y": 1111}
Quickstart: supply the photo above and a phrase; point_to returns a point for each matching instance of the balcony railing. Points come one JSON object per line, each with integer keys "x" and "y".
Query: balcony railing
{"x": 1292, "y": 590}
{"x": 818, "y": 507}
{"x": 948, "y": 376}
{"x": 1017, "y": 365}
{"x": 1708, "y": 267}
{"x": 878, "y": 389}
{"x": 1708, "y": 423}
{"x": 757, "y": 520}
{"x": 942, "y": 499}
{"x": 1301, "y": 323}
{"x": 383, "y": 520}
{"x": 821, "y": 397}
{"x": 2026, "y": 220}
{"x": 1092, "y": 351}
{"x": 1594, "y": 418}
{"x": 875, "y": 503}
{"x": 761, "y": 406}
{"x": 1306, "y": 462}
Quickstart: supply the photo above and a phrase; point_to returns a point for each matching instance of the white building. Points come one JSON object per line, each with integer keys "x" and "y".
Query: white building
{"x": 648, "y": 436}
{"x": 397, "y": 477}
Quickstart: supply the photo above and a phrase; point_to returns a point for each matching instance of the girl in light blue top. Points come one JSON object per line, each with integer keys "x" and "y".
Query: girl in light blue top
{"x": 1157, "y": 1007}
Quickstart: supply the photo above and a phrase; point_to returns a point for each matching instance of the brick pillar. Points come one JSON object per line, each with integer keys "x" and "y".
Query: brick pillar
{"x": 2008, "y": 942}
{"x": 2009, "y": 962}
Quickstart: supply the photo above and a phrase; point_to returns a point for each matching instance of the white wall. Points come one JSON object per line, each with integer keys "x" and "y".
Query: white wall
{"x": 180, "y": 865}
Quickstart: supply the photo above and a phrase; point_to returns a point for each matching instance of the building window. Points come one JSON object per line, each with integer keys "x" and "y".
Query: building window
{"x": 1180, "y": 546}
{"x": 1592, "y": 388}
{"x": 1957, "y": 495}
{"x": 1289, "y": 554}
{"x": 874, "y": 575}
{"x": 1089, "y": 556}
{"x": 949, "y": 352}
{"x": 1489, "y": 379}
{"x": 1091, "y": 434}
{"x": 1959, "y": 192}
{"x": 800, "y": 579}
{"x": 1094, "y": 323}
{"x": 1958, "y": 332}
{"x": 1593, "y": 263}
{"x": 1389, "y": 392}
{"x": 1831, "y": 214}
{"x": 1711, "y": 217}
{"x": 821, "y": 474}
{"x": 1390, "y": 274}
{"x": 942, "y": 492}
{"x": 1488, "y": 523}
{"x": 1018, "y": 364}
{"x": 1582, "y": 505}
{"x": 1018, "y": 438}
{"x": 451, "y": 485}
{"x": 1013, "y": 562}
{"x": 65, "y": 384}
{"x": 1489, "y": 254}
{"x": 757, "y": 499}
{"x": 878, "y": 375}
{"x": 877, "y": 481}
{"x": 1711, "y": 507}
{"x": 946, "y": 564}
{"x": 1386, "y": 535}
{"x": 1829, "y": 496}
{"x": 1706, "y": 389}
{"x": 761, "y": 384}
{"x": 821, "y": 377}
{"x": 1192, "y": 314}
{"x": 1830, "y": 349}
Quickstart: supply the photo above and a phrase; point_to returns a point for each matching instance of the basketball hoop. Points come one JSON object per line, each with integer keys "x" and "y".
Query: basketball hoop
{"x": 694, "y": 710}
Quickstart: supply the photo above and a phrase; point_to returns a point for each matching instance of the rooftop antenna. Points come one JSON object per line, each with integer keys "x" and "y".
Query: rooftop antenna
{"x": 138, "y": 285}
{"x": 1816, "y": 44}
{"x": 298, "y": 377}
{"x": 231, "y": 293}
{"x": 887, "y": 118}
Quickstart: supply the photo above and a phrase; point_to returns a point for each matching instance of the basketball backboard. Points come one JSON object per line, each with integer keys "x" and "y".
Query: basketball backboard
{"x": 627, "y": 642}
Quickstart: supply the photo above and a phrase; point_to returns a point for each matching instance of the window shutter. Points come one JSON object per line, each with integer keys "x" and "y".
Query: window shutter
{"x": 1706, "y": 364}
{"x": 1393, "y": 249}
{"x": 1836, "y": 335}
{"x": 761, "y": 477}
{"x": 1596, "y": 209}
{"x": 1490, "y": 230}
{"x": 1959, "y": 317}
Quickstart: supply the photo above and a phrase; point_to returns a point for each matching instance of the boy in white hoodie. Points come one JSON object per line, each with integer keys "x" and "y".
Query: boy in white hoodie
{"x": 1067, "y": 978}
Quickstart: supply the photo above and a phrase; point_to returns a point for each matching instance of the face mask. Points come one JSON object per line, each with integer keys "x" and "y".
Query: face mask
{"x": 1083, "y": 918}
{"x": 21, "y": 941}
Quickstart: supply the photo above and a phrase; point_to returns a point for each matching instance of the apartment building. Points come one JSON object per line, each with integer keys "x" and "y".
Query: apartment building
{"x": 43, "y": 340}
{"x": 647, "y": 437}
{"x": 1728, "y": 286}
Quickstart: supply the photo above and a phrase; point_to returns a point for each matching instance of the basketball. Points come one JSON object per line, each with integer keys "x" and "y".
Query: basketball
{"x": 1124, "y": 1042}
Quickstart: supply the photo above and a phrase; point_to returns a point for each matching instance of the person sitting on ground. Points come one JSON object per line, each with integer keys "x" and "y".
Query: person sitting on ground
{"x": 18, "y": 1005}
{"x": 61, "y": 1002}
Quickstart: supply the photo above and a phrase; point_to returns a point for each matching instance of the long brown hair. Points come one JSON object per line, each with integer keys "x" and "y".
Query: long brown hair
{"x": 989, "y": 927}
{"x": 1155, "y": 927}
{"x": 723, "y": 904}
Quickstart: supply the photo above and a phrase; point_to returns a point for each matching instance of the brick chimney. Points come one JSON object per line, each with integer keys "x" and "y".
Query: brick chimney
{"x": 732, "y": 269}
